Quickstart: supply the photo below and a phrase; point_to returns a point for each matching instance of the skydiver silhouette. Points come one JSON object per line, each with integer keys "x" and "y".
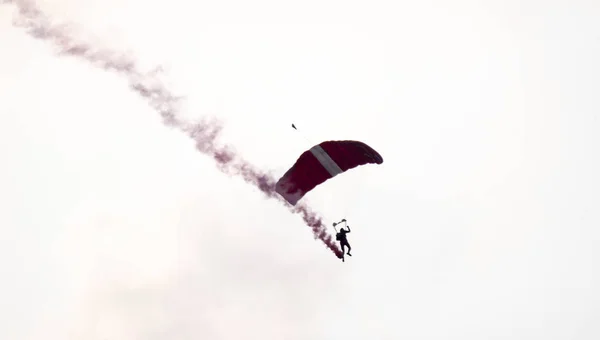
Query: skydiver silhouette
{"x": 341, "y": 236}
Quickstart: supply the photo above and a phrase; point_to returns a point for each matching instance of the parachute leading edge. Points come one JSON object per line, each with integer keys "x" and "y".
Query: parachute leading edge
{"x": 322, "y": 162}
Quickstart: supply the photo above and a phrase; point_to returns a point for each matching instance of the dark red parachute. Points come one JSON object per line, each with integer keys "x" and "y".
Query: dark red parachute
{"x": 322, "y": 162}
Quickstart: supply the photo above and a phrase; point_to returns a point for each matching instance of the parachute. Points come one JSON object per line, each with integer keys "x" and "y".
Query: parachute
{"x": 322, "y": 162}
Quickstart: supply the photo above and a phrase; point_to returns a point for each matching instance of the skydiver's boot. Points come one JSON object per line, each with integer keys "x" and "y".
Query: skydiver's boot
{"x": 349, "y": 254}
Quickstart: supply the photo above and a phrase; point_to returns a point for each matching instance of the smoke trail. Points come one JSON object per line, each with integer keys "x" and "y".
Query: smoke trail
{"x": 205, "y": 133}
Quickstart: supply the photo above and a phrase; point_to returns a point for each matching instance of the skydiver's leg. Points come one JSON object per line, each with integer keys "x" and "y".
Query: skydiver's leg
{"x": 343, "y": 250}
{"x": 344, "y": 245}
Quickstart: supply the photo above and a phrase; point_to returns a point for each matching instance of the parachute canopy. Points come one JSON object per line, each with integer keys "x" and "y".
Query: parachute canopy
{"x": 322, "y": 162}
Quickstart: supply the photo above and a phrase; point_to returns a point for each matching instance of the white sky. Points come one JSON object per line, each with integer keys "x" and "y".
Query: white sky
{"x": 481, "y": 224}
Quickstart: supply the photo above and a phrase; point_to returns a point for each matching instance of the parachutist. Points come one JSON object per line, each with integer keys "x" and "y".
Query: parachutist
{"x": 341, "y": 236}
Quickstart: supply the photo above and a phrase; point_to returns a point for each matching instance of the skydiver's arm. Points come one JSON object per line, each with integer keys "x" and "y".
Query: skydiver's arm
{"x": 348, "y": 228}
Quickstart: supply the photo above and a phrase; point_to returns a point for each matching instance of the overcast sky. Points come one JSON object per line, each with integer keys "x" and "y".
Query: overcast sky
{"x": 482, "y": 223}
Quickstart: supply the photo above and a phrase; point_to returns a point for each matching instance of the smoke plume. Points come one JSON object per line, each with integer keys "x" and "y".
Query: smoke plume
{"x": 147, "y": 85}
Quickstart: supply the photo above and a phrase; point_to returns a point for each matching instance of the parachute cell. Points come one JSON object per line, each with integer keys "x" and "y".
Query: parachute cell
{"x": 322, "y": 162}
